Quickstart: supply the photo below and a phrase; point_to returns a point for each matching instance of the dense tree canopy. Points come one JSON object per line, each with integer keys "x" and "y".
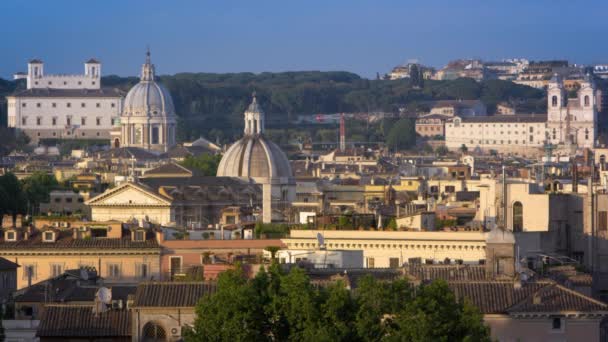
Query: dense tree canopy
{"x": 286, "y": 307}
{"x": 23, "y": 197}
{"x": 205, "y": 163}
{"x": 212, "y": 105}
{"x": 402, "y": 135}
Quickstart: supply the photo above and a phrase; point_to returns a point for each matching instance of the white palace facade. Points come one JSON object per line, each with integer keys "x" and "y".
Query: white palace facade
{"x": 568, "y": 122}
{"x": 64, "y": 106}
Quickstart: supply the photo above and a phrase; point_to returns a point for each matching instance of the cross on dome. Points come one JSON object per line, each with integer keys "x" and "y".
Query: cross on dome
{"x": 147, "y": 70}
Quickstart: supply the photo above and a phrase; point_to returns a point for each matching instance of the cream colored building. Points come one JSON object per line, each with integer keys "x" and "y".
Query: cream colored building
{"x": 131, "y": 201}
{"x": 64, "y": 106}
{"x": 394, "y": 248}
{"x": 48, "y": 252}
{"x": 569, "y": 122}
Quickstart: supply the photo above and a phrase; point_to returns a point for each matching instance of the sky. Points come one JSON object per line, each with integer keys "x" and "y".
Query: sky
{"x": 364, "y": 37}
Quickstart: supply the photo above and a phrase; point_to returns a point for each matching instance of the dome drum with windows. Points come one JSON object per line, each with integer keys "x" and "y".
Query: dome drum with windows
{"x": 148, "y": 119}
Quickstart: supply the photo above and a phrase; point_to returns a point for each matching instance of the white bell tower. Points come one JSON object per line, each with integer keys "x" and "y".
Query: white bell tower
{"x": 556, "y": 99}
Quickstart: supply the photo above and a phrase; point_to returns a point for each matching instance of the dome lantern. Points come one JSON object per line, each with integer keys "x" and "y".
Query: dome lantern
{"x": 254, "y": 117}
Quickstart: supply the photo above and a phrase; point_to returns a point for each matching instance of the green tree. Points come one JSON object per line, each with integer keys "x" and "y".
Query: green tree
{"x": 235, "y": 312}
{"x": 338, "y": 312}
{"x": 442, "y": 150}
{"x": 372, "y": 297}
{"x": 402, "y": 135}
{"x": 435, "y": 315}
{"x": 415, "y": 76}
{"x": 37, "y": 189}
{"x": 205, "y": 163}
{"x": 463, "y": 148}
{"x": 392, "y": 224}
{"x": 297, "y": 303}
{"x": 12, "y": 197}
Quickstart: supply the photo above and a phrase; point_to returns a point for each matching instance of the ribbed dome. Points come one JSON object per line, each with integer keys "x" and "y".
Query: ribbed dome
{"x": 254, "y": 157}
{"x": 148, "y": 98}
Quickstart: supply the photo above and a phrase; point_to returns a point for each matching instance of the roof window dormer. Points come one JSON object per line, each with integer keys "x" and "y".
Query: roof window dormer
{"x": 49, "y": 236}
{"x": 10, "y": 235}
{"x": 139, "y": 235}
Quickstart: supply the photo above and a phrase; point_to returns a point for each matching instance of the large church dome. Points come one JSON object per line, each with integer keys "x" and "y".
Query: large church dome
{"x": 148, "y": 117}
{"x": 148, "y": 98}
{"x": 254, "y": 156}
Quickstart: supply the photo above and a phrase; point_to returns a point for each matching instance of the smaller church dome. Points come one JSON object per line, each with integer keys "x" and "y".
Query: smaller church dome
{"x": 148, "y": 98}
{"x": 254, "y": 156}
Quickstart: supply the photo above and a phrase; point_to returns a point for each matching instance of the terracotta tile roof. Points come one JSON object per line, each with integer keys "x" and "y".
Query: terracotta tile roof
{"x": 222, "y": 244}
{"x": 171, "y": 294}
{"x": 69, "y": 288}
{"x": 555, "y": 297}
{"x": 79, "y": 321}
{"x": 66, "y": 240}
{"x": 322, "y": 277}
{"x": 424, "y": 272}
{"x": 501, "y": 297}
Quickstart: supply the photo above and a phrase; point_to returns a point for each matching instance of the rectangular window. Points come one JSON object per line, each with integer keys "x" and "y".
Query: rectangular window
{"x": 140, "y": 235}
{"x": 99, "y": 232}
{"x": 83, "y": 121}
{"x": 38, "y": 121}
{"x": 54, "y": 121}
{"x": 393, "y": 262}
{"x": 602, "y": 221}
{"x": 68, "y": 200}
{"x": 38, "y": 105}
{"x": 68, "y": 121}
{"x": 56, "y": 270}
{"x": 48, "y": 236}
{"x": 69, "y": 105}
{"x": 10, "y": 236}
{"x": 98, "y": 105}
{"x": 29, "y": 271}
{"x": 23, "y": 105}
{"x": 114, "y": 271}
{"x": 98, "y": 121}
{"x": 176, "y": 265}
{"x": 54, "y": 105}
{"x": 155, "y": 135}
{"x": 23, "y": 121}
{"x": 370, "y": 263}
{"x": 142, "y": 271}
{"x": 82, "y": 105}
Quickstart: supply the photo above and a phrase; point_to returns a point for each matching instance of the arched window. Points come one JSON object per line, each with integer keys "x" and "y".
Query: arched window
{"x": 586, "y": 100}
{"x": 603, "y": 162}
{"x": 518, "y": 217}
{"x": 153, "y": 332}
{"x": 554, "y": 101}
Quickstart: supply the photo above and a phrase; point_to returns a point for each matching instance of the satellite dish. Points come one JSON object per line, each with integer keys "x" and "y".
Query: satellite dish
{"x": 321, "y": 240}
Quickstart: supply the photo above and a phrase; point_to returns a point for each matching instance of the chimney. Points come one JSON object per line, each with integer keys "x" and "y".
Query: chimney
{"x": 160, "y": 237}
{"x": 536, "y": 299}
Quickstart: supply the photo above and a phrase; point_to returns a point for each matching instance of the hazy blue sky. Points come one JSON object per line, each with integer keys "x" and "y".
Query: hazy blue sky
{"x": 257, "y": 35}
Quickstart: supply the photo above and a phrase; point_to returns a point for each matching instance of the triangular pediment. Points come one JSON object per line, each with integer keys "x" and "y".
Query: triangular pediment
{"x": 129, "y": 194}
